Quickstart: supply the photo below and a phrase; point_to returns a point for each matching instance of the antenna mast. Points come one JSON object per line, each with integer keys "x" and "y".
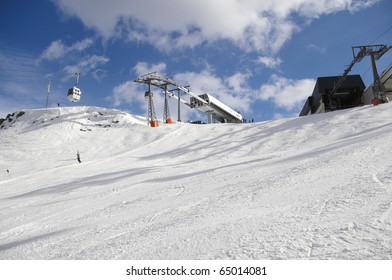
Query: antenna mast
{"x": 47, "y": 94}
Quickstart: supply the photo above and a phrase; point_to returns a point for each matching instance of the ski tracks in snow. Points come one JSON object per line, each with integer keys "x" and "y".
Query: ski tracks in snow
{"x": 387, "y": 213}
{"x": 179, "y": 190}
{"x": 341, "y": 234}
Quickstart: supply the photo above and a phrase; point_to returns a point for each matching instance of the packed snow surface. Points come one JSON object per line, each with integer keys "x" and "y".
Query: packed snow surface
{"x": 316, "y": 187}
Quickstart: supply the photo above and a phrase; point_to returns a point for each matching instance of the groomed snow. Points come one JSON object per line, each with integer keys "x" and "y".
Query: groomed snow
{"x": 317, "y": 187}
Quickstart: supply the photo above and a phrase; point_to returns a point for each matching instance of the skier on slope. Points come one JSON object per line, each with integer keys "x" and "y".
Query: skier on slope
{"x": 78, "y": 157}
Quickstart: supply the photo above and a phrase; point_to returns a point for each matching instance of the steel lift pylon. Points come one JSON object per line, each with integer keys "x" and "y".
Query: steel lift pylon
{"x": 359, "y": 52}
{"x": 152, "y": 118}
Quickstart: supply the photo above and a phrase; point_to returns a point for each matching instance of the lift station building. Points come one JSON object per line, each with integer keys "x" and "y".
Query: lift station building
{"x": 347, "y": 96}
{"x": 347, "y": 91}
{"x": 351, "y": 93}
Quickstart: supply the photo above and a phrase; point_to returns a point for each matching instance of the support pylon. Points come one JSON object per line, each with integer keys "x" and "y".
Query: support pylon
{"x": 166, "y": 111}
{"x": 378, "y": 88}
{"x": 375, "y": 52}
{"x": 152, "y": 118}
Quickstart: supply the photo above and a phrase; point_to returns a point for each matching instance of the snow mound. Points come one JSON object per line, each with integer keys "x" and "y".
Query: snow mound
{"x": 317, "y": 187}
{"x": 85, "y": 117}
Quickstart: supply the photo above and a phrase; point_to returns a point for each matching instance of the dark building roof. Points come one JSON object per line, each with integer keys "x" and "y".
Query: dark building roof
{"x": 348, "y": 95}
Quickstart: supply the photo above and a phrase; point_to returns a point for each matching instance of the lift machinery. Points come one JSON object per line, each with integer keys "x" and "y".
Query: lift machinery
{"x": 215, "y": 109}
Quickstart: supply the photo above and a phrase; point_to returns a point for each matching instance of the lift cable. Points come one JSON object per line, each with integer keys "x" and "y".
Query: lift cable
{"x": 381, "y": 35}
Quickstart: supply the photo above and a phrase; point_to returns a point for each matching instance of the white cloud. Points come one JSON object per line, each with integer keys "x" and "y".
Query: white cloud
{"x": 238, "y": 81}
{"x": 321, "y": 50}
{"x": 172, "y": 24}
{"x": 269, "y": 62}
{"x": 316, "y": 8}
{"x": 142, "y": 68}
{"x": 286, "y": 93}
{"x": 278, "y": 116}
{"x": 57, "y": 49}
{"x": 99, "y": 74}
{"x": 127, "y": 92}
{"x": 86, "y": 65}
{"x": 82, "y": 45}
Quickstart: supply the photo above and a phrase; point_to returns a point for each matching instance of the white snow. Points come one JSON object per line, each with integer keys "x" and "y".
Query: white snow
{"x": 317, "y": 187}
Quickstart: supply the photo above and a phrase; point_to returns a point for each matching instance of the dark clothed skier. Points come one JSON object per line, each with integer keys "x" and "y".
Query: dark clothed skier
{"x": 78, "y": 157}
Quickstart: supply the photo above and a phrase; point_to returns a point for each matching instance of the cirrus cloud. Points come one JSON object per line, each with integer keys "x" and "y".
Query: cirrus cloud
{"x": 88, "y": 65}
{"x": 57, "y": 49}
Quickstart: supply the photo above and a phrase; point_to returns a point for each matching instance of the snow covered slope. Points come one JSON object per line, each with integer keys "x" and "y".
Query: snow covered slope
{"x": 317, "y": 187}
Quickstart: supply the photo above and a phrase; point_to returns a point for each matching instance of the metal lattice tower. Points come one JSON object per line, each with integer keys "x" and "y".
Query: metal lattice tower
{"x": 152, "y": 118}
{"x": 378, "y": 88}
{"x": 162, "y": 83}
{"x": 166, "y": 111}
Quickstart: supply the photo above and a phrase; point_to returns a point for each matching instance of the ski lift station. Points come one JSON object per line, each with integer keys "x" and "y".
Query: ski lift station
{"x": 348, "y": 91}
{"x": 215, "y": 110}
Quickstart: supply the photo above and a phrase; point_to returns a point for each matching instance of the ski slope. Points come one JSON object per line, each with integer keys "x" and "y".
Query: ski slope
{"x": 317, "y": 187}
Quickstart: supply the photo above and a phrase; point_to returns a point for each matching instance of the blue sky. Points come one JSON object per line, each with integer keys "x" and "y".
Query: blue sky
{"x": 259, "y": 57}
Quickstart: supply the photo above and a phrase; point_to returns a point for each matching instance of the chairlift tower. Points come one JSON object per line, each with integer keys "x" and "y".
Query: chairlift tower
{"x": 166, "y": 111}
{"x": 152, "y": 118}
{"x": 178, "y": 105}
{"x": 152, "y": 79}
